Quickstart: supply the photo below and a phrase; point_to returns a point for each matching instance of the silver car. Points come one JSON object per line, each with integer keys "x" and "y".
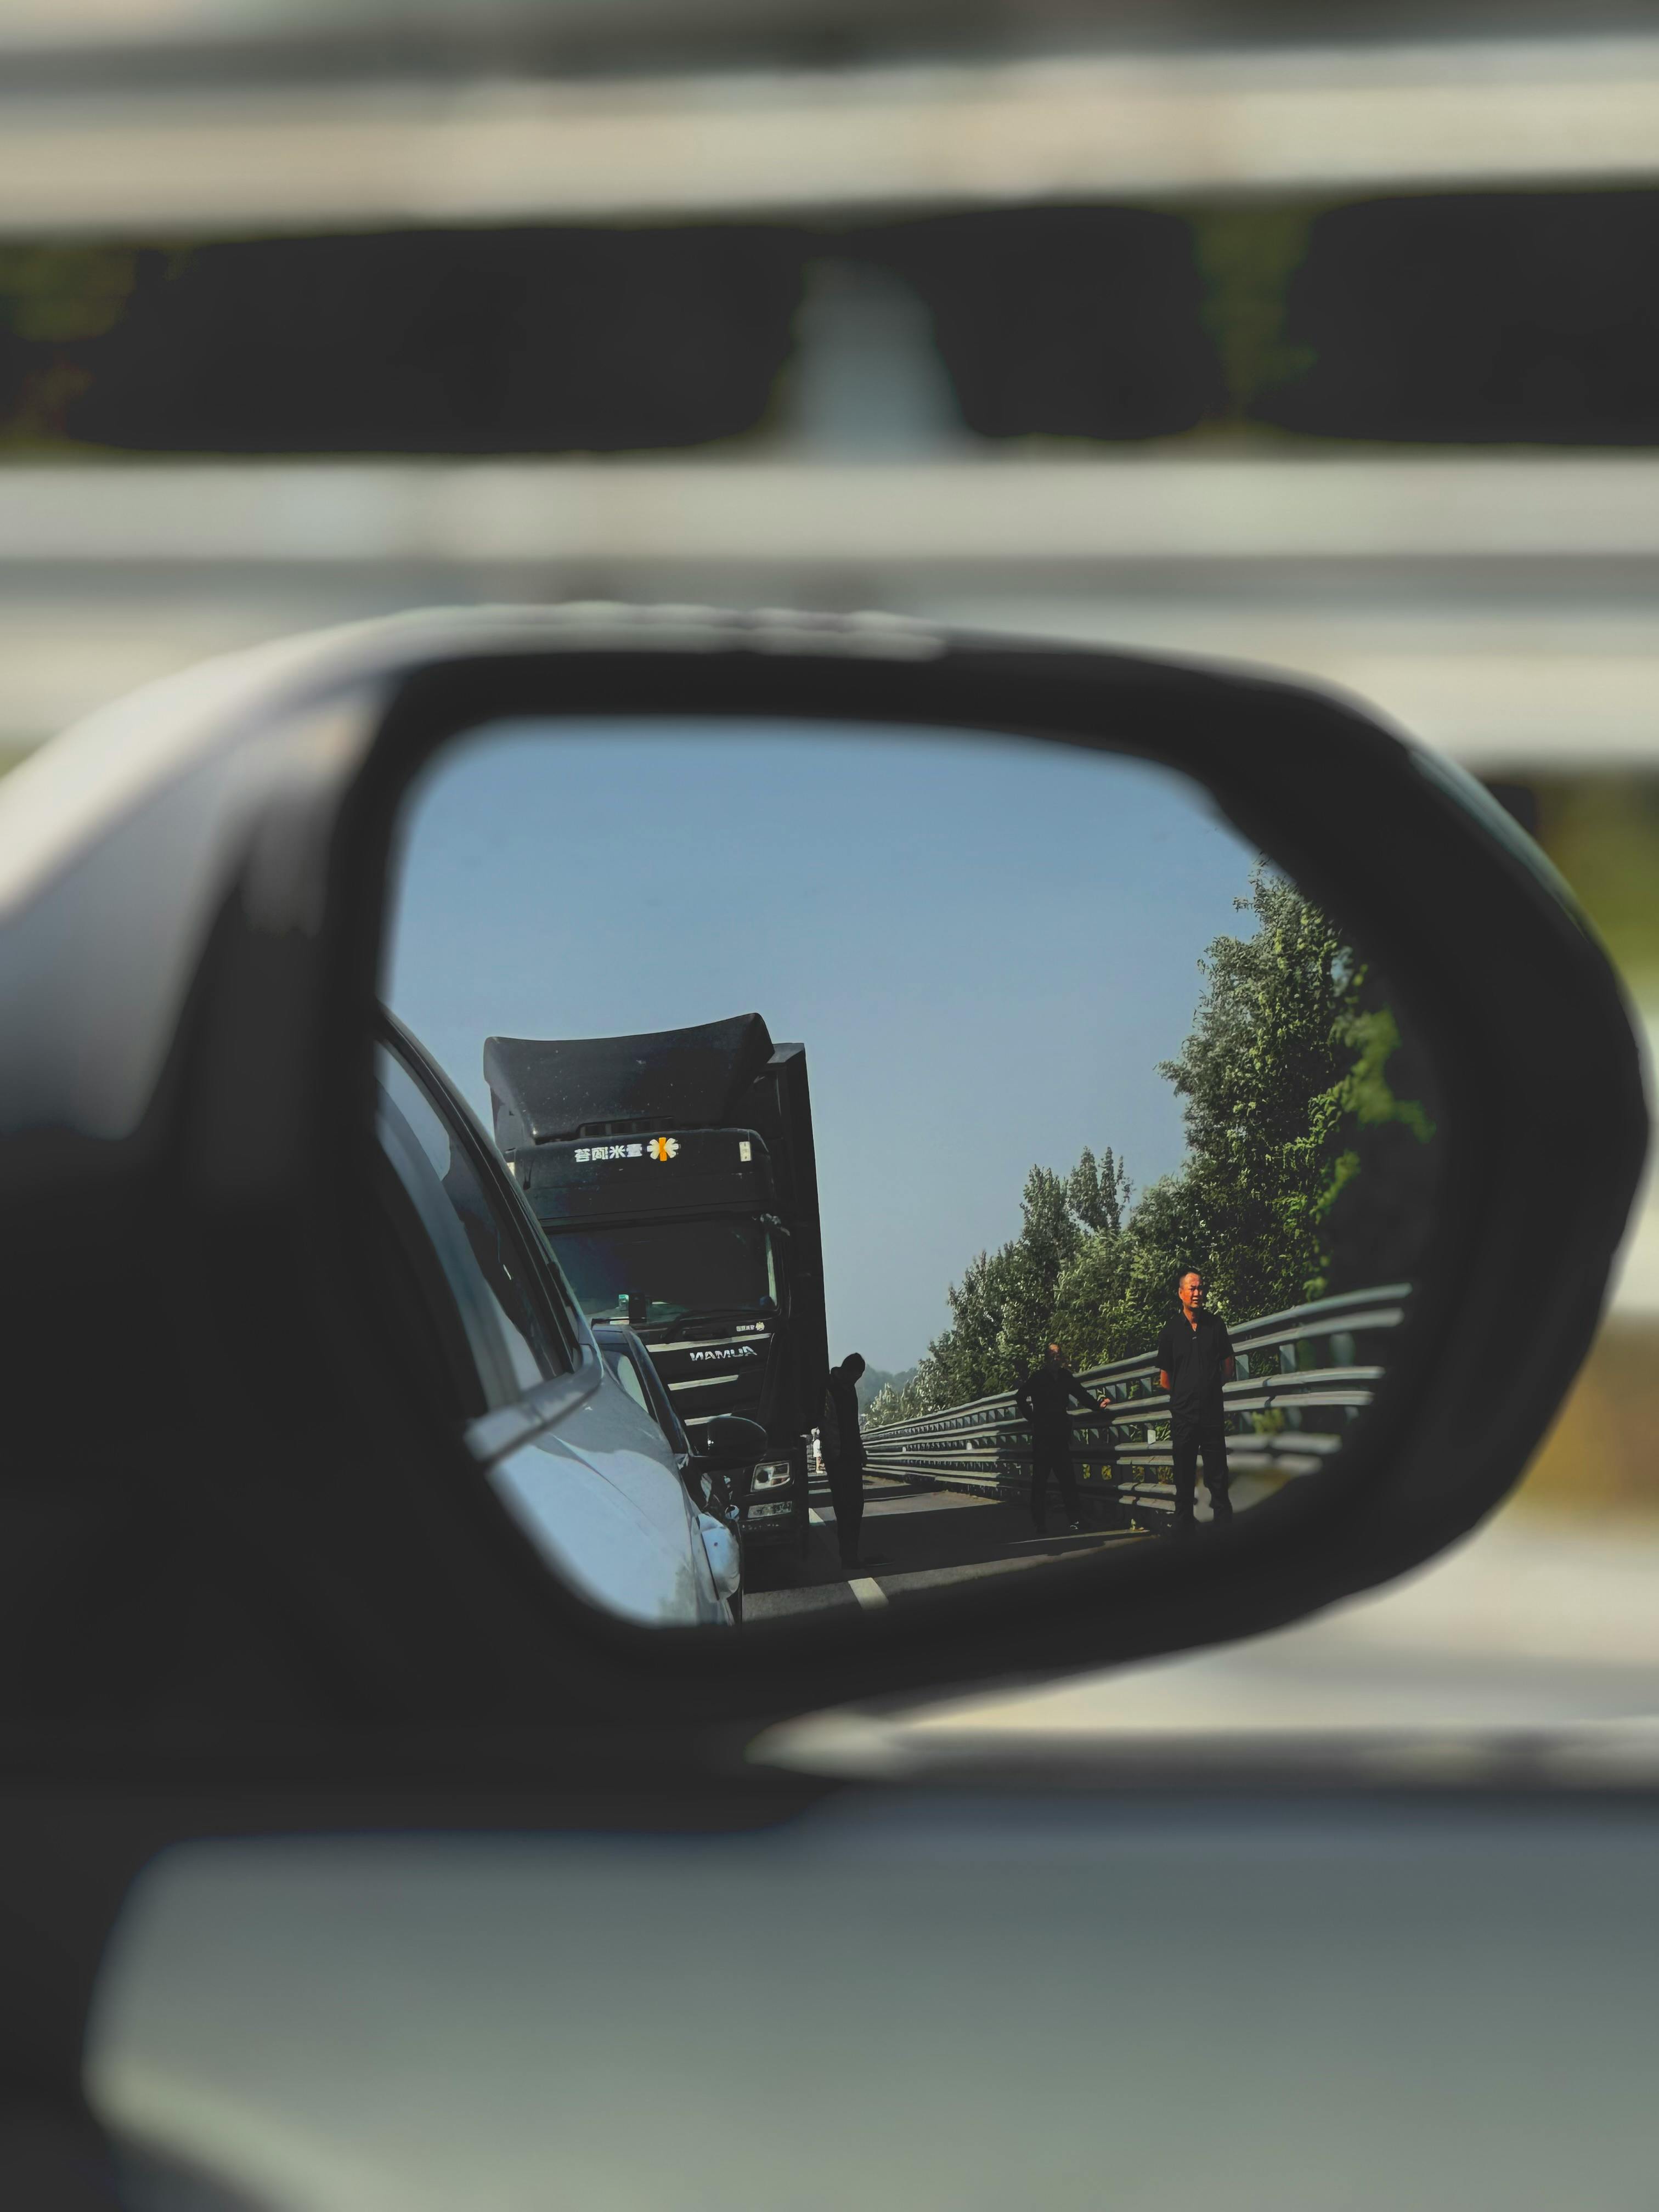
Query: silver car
{"x": 584, "y": 1469}
{"x": 725, "y": 1442}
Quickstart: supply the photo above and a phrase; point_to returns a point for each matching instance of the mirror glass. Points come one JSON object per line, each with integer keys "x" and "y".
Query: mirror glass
{"x": 838, "y": 1164}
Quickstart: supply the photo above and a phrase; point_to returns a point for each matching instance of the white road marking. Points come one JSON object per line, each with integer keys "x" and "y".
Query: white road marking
{"x": 864, "y": 1589}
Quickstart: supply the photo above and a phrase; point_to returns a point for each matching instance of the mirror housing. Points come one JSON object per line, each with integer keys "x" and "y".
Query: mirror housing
{"x": 188, "y": 1110}
{"x": 730, "y": 1440}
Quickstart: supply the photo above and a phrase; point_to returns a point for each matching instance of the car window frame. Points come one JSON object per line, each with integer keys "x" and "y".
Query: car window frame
{"x": 636, "y": 1389}
{"x": 456, "y": 1266}
{"x": 544, "y": 1285}
{"x": 503, "y": 1427}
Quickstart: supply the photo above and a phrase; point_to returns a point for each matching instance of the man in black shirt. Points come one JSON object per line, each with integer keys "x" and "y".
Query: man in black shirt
{"x": 1194, "y": 1359}
{"x": 1045, "y": 1398}
{"x": 843, "y": 1448}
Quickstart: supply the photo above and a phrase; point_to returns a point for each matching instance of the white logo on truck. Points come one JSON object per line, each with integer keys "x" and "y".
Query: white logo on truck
{"x": 658, "y": 1148}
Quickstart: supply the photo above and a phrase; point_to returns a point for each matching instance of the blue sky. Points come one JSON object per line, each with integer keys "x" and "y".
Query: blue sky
{"x": 986, "y": 948}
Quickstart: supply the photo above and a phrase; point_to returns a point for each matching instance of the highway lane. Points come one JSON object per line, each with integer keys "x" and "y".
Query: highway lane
{"x": 913, "y": 1539}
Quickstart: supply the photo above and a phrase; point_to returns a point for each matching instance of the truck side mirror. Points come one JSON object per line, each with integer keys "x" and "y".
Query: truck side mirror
{"x": 730, "y": 1439}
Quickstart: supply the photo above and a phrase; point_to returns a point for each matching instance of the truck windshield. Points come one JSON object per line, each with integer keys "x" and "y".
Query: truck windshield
{"x": 662, "y": 1270}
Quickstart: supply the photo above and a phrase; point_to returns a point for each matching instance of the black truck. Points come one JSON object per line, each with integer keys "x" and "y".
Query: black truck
{"x": 674, "y": 1174}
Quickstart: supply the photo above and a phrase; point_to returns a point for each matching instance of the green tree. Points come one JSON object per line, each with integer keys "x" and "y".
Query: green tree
{"x": 1116, "y": 1296}
{"x": 1002, "y": 1307}
{"x": 56, "y": 301}
{"x": 1306, "y": 1171}
{"x": 1263, "y": 1075}
{"x": 966, "y": 1360}
{"x": 1049, "y": 1242}
{"x": 876, "y": 1380}
{"x": 1380, "y": 1192}
{"x": 1247, "y": 256}
{"x": 1099, "y": 1193}
{"x": 899, "y": 1400}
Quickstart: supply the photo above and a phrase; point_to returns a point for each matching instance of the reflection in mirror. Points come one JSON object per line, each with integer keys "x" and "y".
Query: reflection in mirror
{"x": 894, "y": 1159}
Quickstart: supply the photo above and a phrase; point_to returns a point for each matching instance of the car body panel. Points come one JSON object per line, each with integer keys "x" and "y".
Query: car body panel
{"x": 706, "y": 1486}
{"x": 599, "y": 1496}
{"x": 598, "y": 1489}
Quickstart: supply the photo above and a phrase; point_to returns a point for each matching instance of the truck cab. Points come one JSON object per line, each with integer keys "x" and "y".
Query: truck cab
{"x": 696, "y": 1224}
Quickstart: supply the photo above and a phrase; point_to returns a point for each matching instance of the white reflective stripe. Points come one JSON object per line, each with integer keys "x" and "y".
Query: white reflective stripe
{"x": 702, "y": 1382}
{"x": 866, "y": 1591}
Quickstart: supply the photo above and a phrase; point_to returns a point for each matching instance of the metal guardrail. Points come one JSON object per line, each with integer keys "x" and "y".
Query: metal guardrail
{"x": 1303, "y": 1375}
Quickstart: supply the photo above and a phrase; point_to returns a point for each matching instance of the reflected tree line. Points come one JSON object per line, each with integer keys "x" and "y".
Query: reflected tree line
{"x": 1309, "y": 1170}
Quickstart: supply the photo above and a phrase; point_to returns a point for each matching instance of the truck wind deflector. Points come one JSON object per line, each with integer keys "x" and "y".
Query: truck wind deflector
{"x": 543, "y": 1088}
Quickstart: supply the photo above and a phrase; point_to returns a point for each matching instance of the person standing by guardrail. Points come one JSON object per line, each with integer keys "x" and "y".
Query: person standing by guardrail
{"x": 1045, "y": 1398}
{"x": 842, "y": 1450}
{"x": 1194, "y": 1359}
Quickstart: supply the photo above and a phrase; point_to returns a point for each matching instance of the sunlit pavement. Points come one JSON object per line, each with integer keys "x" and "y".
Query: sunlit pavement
{"x": 1535, "y": 1623}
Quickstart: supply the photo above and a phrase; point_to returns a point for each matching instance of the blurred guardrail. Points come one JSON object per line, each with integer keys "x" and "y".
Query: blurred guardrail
{"x": 1303, "y": 1375}
{"x": 169, "y": 153}
{"x": 1503, "y": 608}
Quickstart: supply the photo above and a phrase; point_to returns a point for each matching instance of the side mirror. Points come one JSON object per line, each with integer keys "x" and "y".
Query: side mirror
{"x": 1207, "y": 979}
{"x": 730, "y": 1440}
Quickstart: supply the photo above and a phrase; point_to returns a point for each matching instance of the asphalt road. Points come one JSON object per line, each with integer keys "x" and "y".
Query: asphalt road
{"x": 913, "y": 1539}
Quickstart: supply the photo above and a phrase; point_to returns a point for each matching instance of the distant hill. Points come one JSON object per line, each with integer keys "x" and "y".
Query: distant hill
{"x": 877, "y": 1378}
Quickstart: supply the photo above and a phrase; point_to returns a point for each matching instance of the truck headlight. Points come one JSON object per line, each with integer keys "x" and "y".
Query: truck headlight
{"x": 770, "y": 1474}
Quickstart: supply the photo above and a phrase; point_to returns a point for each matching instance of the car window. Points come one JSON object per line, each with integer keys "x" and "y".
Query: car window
{"x": 481, "y": 1257}
{"x": 622, "y": 1367}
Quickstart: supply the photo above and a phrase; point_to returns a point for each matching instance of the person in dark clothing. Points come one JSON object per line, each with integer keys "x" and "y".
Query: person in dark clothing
{"x": 842, "y": 1448}
{"x": 1194, "y": 1359}
{"x": 1046, "y": 1398}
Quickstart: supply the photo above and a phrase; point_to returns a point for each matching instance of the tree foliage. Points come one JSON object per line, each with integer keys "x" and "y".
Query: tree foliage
{"x": 1305, "y": 1173}
{"x": 1262, "y": 1074}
